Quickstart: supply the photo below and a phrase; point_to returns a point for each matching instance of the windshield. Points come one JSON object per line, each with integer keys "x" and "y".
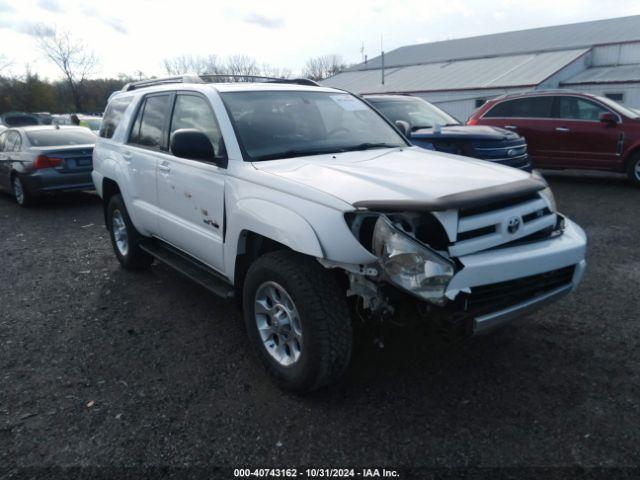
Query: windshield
{"x": 417, "y": 112}
{"x": 280, "y": 124}
{"x": 627, "y": 112}
{"x": 60, "y": 138}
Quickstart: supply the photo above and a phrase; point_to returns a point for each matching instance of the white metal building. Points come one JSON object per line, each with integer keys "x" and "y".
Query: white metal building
{"x": 601, "y": 57}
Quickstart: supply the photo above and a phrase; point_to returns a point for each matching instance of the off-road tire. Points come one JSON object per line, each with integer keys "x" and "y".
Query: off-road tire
{"x": 324, "y": 317}
{"x": 633, "y": 169}
{"x": 135, "y": 258}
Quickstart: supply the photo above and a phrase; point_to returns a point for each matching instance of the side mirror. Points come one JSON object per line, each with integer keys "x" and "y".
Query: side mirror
{"x": 193, "y": 144}
{"x": 404, "y": 127}
{"x": 608, "y": 118}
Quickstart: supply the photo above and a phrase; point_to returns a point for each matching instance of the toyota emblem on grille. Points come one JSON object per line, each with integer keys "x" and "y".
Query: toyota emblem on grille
{"x": 511, "y": 152}
{"x": 513, "y": 225}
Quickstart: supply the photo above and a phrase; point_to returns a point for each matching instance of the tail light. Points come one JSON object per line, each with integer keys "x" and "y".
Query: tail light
{"x": 42, "y": 161}
{"x": 472, "y": 121}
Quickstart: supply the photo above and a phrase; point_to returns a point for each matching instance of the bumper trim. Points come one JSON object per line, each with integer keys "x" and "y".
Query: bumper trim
{"x": 489, "y": 321}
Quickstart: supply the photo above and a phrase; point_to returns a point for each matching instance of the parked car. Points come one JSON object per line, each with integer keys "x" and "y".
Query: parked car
{"x": 302, "y": 199}
{"x": 570, "y": 130}
{"x": 43, "y": 159}
{"x": 91, "y": 122}
{"x": 434, "y": 129}
{"x": 19, "y": 119}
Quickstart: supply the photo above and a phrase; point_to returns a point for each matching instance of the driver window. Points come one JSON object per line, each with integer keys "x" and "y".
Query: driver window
{"x": 575, "y": 108}
{"x": 192, "y": 111}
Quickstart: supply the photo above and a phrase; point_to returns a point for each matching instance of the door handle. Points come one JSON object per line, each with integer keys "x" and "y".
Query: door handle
{"x": 510, "y": 127}
{"x": 127, "y": 156}
{"x": 164, "y": 167}
{"x": 562, "y": 129}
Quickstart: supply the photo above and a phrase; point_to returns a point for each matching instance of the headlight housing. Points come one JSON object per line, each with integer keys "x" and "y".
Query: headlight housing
{"x": 547, "y": 194}
{"x": 409, "y": 264}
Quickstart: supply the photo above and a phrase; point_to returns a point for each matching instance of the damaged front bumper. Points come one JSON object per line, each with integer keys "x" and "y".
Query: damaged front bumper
{"x": 498, "y": 286}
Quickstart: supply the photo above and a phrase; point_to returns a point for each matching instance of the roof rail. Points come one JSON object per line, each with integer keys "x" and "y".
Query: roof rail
{"x": 216, "y": 78}
{"x": 538, "y": 90}
{"x": 230, "y": 78}
{"x": 162, "y": 81}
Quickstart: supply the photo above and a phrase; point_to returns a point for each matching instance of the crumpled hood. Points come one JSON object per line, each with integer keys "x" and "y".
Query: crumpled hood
{"x": 406, "y": 174}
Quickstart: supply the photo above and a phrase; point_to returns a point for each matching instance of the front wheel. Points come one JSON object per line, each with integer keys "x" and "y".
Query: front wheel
{"x": 633, "y": 170}
{"x": 297, "y": 319}
{"x": 124, "y": 236}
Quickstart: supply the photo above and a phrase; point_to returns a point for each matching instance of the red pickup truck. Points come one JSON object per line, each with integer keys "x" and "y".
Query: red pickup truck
{"x": 567, "y": 129}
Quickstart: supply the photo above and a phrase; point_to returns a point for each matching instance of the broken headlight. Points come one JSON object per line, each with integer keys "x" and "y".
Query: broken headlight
{"x": 546, "y": 194}
{"x": 409, "y": 264}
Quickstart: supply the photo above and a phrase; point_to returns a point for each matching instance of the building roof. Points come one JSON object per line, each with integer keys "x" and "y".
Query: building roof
{"x": 495, "y": 72}
{"x": 612, "y": 74}
{"x": 544, "y": 39}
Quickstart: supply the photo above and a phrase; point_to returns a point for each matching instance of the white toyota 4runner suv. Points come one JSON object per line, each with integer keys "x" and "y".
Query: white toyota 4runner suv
{"x": 307, "y": 203}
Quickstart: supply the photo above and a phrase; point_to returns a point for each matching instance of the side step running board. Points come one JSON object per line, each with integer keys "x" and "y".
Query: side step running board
{"x": 189, "y": 267}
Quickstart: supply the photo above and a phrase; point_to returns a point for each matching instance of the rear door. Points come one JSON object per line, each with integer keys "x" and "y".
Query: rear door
{"x": 191, "y": 192}
{"x": 145, "y": 147}
{"x": 531, "y": 118}
{"x": 580, "y": 139}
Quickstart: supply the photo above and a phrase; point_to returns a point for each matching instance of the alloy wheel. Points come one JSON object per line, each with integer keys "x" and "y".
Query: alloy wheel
{"x": 120, "y": 234}
{"x": 18, "y": 191}
{"x": 278, "y": 323}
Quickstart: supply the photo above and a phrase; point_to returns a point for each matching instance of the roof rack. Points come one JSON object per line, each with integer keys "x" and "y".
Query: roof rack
{"x": 216, "y": 78}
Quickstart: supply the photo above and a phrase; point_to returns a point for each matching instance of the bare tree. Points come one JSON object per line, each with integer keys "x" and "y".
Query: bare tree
{"x": 242, "y": 65}
{"x": 319, "y": 68}
{"x": 71, "y": 56}
{"x": 5, "y": 63}
{"x": 197, "y": 64}
{"x": 275, "y": 72}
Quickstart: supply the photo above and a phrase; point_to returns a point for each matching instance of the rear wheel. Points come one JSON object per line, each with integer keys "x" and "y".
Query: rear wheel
{"x": 20, "y": 193}
{"x": 297, "y": 319}
{"x": 633, "y": 169}
{"x": 124, "y": 237}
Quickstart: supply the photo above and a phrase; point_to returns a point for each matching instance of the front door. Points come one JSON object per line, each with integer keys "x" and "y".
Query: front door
{"x": 579, "y": 139}
{"x": 191, "y": 192}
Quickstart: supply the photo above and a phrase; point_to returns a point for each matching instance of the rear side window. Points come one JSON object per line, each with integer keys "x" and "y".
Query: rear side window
{"x": 113, "y": 116}
{"x": 148, "y": 129}
{"x": 531, "y": 107}
{"x": 12, "y": 142}
{"x": 575, "y": 108}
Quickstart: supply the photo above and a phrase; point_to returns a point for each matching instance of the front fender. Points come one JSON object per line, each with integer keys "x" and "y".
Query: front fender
{"x": 272, "y": 221}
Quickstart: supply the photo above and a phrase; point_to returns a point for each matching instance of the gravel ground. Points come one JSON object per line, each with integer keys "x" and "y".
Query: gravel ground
{"x": 105, "y": 368}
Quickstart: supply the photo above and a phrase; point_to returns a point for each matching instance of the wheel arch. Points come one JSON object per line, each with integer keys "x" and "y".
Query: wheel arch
{"x": 259, "y": 227}
{"x": 632, "y": 153}
{"x": 109, "y": 188}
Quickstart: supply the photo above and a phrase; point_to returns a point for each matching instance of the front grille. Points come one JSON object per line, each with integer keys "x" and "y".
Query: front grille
{"x": 510, "y": 202}
{"x": 499, "y": 150}
{"x": 497, "y": 296}
{"x": 502, "y": 224}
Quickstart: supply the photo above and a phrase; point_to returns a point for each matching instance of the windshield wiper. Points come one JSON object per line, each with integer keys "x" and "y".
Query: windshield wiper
{"x": 369, "y": 146}
{"x": 419, "y": 127}
{"x": 294, "y": 153}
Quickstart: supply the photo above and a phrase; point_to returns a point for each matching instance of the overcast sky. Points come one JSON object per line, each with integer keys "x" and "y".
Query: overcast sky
{"x": 132, "y": 35}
